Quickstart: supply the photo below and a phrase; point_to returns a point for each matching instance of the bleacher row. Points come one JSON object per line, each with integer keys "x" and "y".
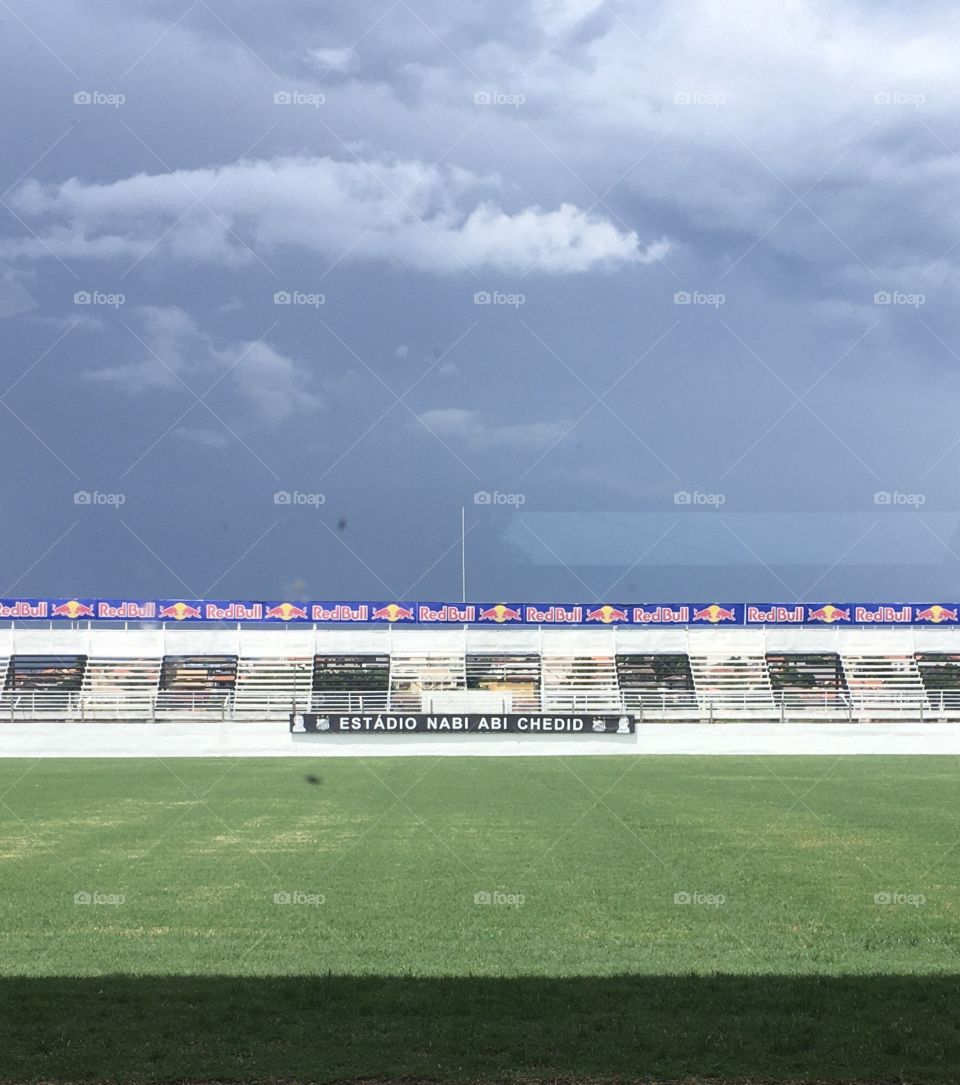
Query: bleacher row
{"x": 160, "y": 674}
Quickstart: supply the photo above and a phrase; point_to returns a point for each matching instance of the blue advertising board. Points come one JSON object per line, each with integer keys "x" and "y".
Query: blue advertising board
{"x": 433, "y": 613}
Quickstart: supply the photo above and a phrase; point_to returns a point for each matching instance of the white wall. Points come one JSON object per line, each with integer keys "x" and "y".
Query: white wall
{"x": 292, "y": 641}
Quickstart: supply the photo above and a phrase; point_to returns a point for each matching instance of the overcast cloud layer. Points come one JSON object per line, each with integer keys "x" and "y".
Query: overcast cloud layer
{"x": 664, "y": 295}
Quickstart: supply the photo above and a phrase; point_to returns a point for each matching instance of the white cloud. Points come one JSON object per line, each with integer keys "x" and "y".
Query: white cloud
{"x": 14, "y": 296}
{"x": 210, "y": 438}
{"x": 274, "y": 386}
{"x": 338, "y": 60}
{"x": 467, "y": 427}
{"x": 403, "y": 212}
{"x": 174, "y": 352}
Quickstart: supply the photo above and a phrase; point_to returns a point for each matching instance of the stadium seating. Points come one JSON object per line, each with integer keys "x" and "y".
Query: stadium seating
{"x": 271, "y": 687}
{"x": 884, "y": 683}
{"x": 415, "y": 676}
{"x": 350, "y": 683}
{"x": 265, "y": 674}
{"x": 119, "y": 687}
{"x": 197, "y": 685}
{"x": 808, "y": 683}
{"x": 579, "y": 683}
{"x": 514, "y": 679}
{"x": 730, "y": 673}
{"x": 940, "y": 674}
{"x": 657, "y": 684}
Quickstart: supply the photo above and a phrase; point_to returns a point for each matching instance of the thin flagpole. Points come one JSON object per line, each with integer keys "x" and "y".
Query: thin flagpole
{"x": 463, "y": 554}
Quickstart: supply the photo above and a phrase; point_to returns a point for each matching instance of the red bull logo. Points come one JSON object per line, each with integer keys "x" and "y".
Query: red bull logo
{"x": 339, "y": 612}
{"x": 714, "y": 614}
{"x": 607, "y": 614}
{"x": 661, "y": 615}
{"x": 887, "y": 615}
{"x": 233, "y": 612}
{"x": 775, "y": 615}
{"x": 180, "y": 611}
{"x": 936, "y": 614}
{"x": 828, "y": 614}
{"x": 126, "y": 610}
{"x": 73, "y": 608}
{"x": 446, "y": 613}
{"x": 500, "y": 613}
{"x": 393, "y": 612}
{"x": 23, "y": 608}
{"x": 285, "y": 612}
{"x": 555, "y": 615}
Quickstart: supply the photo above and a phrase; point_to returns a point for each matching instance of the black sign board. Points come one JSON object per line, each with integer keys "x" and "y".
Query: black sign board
{"x": 465, "y": 723}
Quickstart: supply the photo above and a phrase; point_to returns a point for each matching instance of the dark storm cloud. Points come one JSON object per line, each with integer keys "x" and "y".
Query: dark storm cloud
{"x": 397, "y": 255}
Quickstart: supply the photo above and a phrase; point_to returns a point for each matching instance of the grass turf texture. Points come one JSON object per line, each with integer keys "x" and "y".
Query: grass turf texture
{"x": 796, "y": 974}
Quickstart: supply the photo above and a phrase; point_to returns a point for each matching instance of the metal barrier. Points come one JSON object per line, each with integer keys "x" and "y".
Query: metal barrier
{"x": 163, "y": 705}
{"x": 649, "y": 706}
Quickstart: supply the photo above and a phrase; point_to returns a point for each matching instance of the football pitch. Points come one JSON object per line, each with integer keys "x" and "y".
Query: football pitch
{"x": 467, "y": 919}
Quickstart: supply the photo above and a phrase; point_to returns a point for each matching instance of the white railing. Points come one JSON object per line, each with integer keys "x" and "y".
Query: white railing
{"x": 353, "y": 701}
{"x": 143, "y": 706}
{"x": 646, "y": 705}
{"x": 39, "y": 704}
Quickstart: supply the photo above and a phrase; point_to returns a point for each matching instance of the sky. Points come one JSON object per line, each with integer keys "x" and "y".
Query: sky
{"x": 661, "y": 295}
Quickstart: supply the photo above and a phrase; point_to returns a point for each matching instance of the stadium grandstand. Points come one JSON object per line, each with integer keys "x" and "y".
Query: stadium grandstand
{"x": 88, "y": 671}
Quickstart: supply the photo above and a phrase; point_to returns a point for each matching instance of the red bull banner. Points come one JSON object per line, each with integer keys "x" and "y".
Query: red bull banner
{"x": 400, "y": 613}
{"x": 842, "y": 614}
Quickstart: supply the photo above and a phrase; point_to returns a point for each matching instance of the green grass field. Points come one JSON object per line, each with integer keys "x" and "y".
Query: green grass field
{"x": 466, "y": 919}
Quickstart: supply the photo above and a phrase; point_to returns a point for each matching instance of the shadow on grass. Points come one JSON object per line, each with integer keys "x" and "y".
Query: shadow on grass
{"x": 221, "y": 1028}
